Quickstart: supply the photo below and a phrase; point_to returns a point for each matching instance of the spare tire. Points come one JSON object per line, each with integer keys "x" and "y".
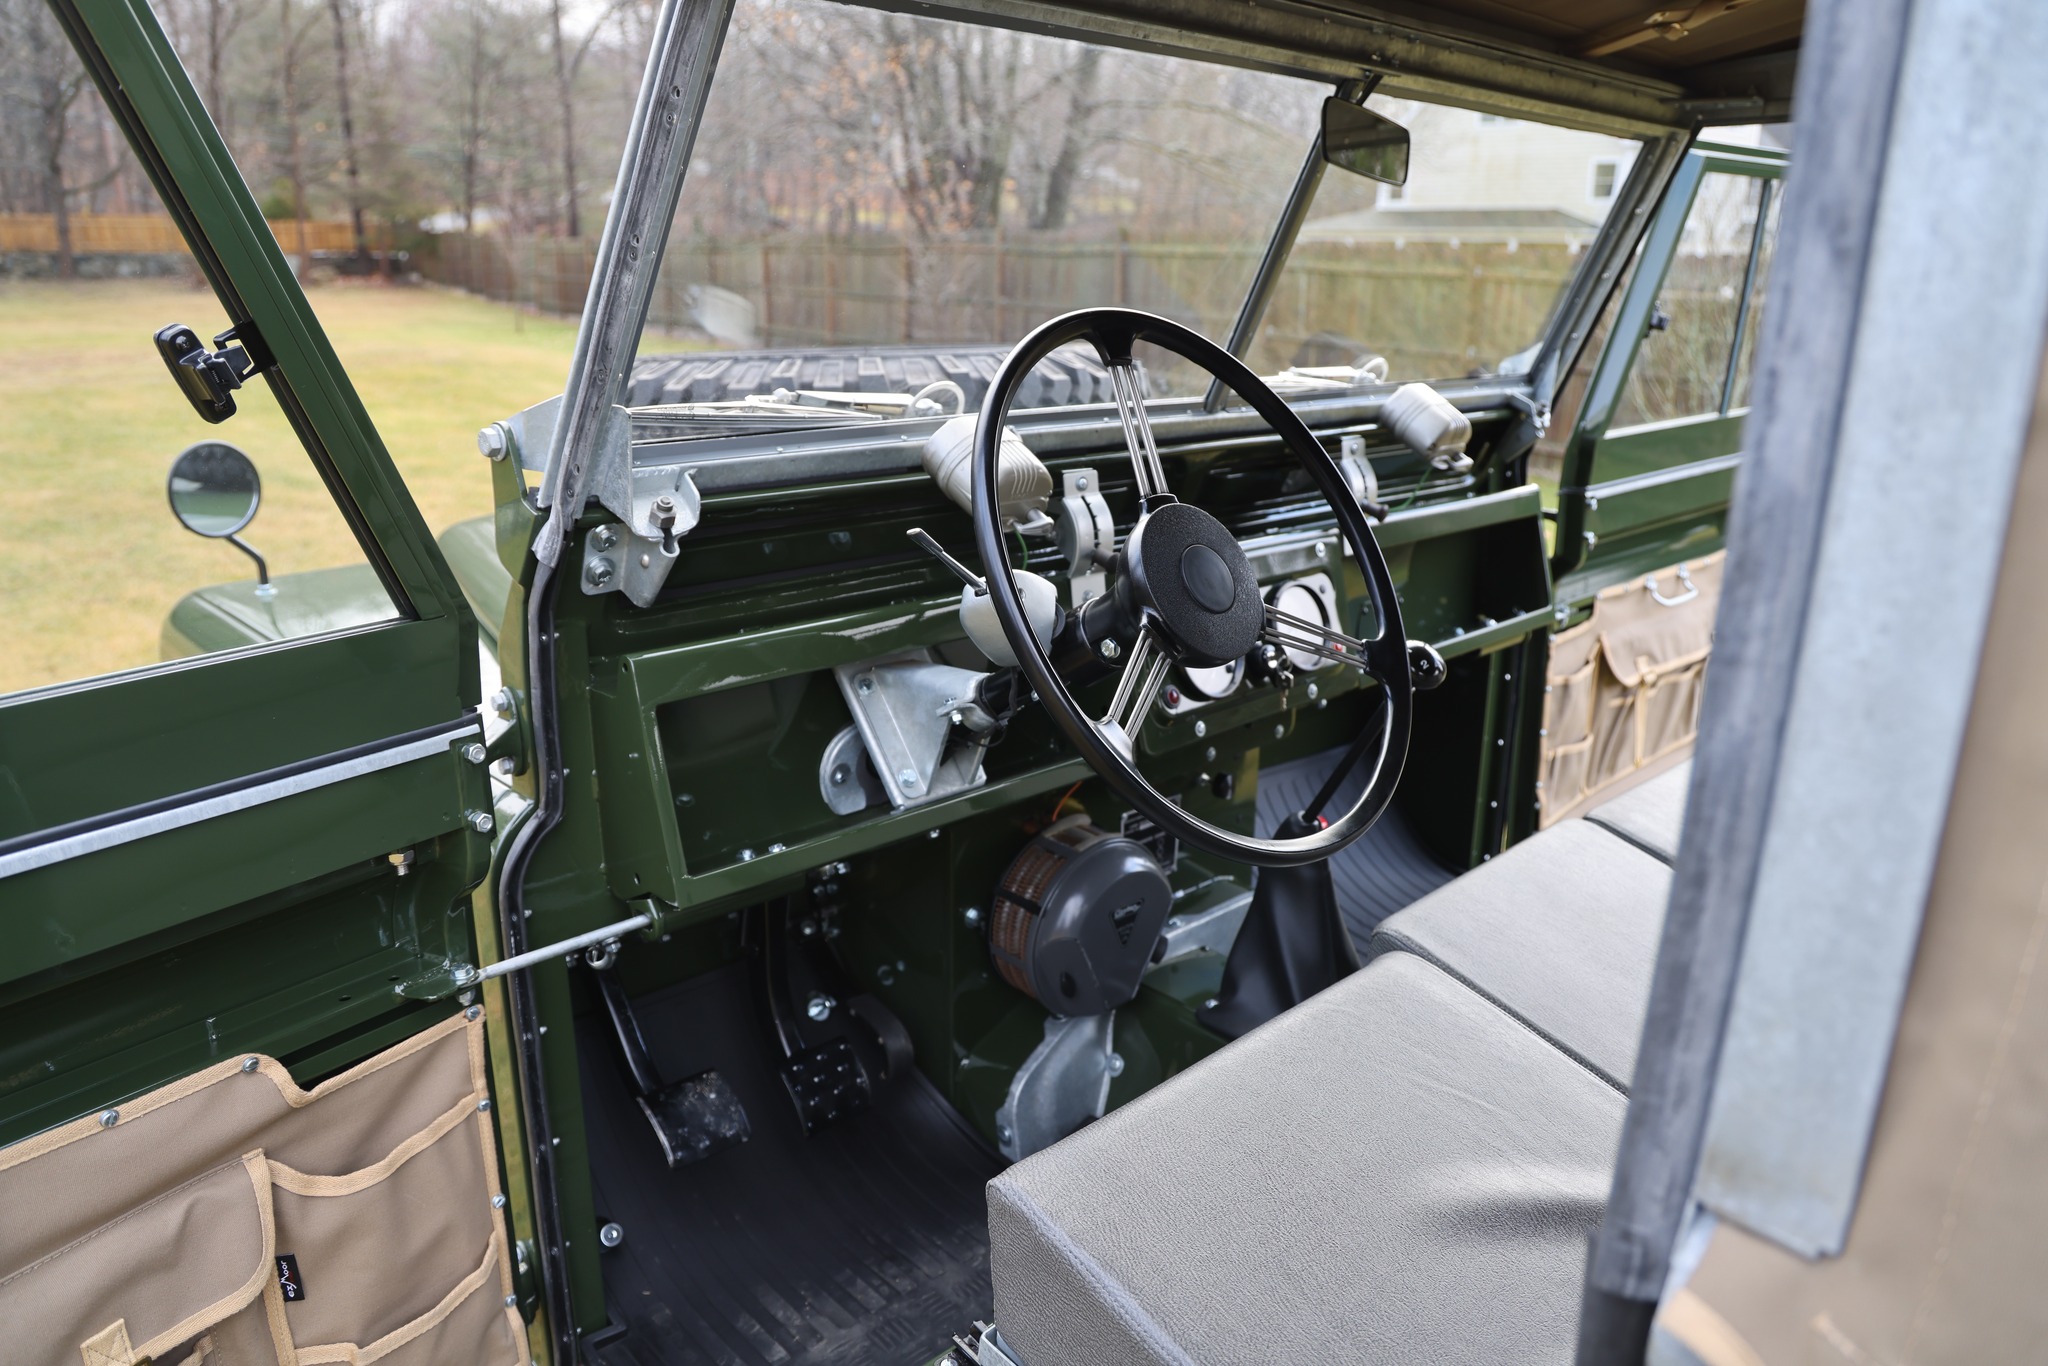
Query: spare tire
{"x": 1071, "y": 374}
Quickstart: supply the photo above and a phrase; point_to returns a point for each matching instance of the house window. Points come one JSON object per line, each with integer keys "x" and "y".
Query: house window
{"x": 1606, "y": 177}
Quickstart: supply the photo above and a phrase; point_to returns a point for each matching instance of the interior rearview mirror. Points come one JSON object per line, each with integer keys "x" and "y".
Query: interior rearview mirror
{"x": 214, "y": 492}
{"x": 1364, "y": 143}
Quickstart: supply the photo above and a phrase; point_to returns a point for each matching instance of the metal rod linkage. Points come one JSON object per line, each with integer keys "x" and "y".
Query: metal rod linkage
{"x": 561, "y": 948}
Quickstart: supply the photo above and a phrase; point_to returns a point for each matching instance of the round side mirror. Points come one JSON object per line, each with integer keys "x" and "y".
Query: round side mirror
{"x": 214, "y": 489}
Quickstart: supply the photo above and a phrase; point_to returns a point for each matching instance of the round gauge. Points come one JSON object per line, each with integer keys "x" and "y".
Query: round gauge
{"x": 1218, "y": 682}
{"x": 1297, "y": 599}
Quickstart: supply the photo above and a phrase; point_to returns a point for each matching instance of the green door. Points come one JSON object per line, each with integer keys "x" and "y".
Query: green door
{"x": 266, "y": 847}
{"x": 1650, "y": 463}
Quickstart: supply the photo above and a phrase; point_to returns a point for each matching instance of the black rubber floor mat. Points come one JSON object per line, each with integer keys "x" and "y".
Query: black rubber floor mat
{"x": 1379, "y": 874}
{"x": 866, "y": 1243}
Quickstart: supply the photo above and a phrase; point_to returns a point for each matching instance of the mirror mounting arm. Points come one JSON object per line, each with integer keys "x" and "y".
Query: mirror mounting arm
{"x": 262, "y": 567}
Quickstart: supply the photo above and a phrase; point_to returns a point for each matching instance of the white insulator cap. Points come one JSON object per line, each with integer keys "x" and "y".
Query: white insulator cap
{"x": 1041, "y": 609}
{"x": 1022, "y": 481}
{"x": 1429, "y": 424}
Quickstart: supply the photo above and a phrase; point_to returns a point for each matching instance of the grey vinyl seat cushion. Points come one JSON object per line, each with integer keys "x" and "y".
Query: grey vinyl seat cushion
{"x": 1394, "y": 1171}
{"x": 1649, "y": 815}
{"x": 1560, "y": 931}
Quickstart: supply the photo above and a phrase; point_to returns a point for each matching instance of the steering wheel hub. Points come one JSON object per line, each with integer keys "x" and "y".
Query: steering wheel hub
{"x": 1187, "y": 573}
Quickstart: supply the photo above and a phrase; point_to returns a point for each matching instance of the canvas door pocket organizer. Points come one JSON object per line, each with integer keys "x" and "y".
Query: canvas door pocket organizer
{"x": 375, "y": 1252}
{"x": 1622, "y": 692}
{"x": 233, "y": 1219}
{"x": 162, "y": 1274}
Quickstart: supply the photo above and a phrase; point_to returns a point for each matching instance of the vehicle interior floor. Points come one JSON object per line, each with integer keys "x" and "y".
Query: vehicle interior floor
{"x": 1384, "y": 872}
{"x": 863, "y": 1243}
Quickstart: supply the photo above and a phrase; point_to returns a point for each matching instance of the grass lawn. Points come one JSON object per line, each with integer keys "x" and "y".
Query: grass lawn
{"x": 91, "y": 559}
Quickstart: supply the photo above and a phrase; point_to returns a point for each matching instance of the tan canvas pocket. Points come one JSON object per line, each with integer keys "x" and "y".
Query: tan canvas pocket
{"x": 149, "y": 1280}
{"x": 380, "y": 1247}
{"x": 471, "y": 1326}
{"x": 1634, "y": 671}
{"x": 1668, "y": 709}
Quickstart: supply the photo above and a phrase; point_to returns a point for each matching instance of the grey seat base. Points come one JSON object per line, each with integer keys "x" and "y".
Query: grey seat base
{"x": 1560, "y": 931}
{"x": 1649, "y": 815}
{"x": 1394, "y": 1171}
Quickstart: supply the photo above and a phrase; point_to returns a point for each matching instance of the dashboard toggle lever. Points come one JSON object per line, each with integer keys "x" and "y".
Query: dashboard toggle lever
{"x": 924, "y": 542}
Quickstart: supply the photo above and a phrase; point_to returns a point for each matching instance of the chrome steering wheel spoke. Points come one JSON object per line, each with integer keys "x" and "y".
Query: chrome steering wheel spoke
{"x": 1143, "y": 674}
{"x": 1128, "y": 388}
{"x": 1313, "y": 638}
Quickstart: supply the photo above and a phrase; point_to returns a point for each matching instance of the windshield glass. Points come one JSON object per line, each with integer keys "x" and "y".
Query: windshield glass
{"x": 1454, "y": 273}
{"x": 879, "y": 203}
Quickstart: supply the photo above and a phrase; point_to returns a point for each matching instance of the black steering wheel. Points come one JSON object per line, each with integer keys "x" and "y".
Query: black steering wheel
{"x": 1183, "y": 592}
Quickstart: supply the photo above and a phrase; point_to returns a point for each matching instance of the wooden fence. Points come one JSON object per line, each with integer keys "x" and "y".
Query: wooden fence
{"x": 1434, "y": 308}
{"x": 155, "y": 234}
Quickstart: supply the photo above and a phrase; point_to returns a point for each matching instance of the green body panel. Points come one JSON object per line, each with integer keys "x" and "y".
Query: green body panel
{"x": 472, "y": 551}
{"x": 230, "y": 616}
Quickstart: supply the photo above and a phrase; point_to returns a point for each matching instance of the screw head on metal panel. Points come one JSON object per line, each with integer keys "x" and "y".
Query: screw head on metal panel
{"x": 1110, "y": 649}
{"x": 908, "y": 778}
{"x": 1201, "y": 729}
{"x": 612, "y": 1234}
{"x": 604, "y": 538}
{"x": 1002, "y": 1133}
{"x": 972, "y": 915}
{"x": 494, "y": 441}
{"x": 820, "y": 1007}
{"x": 865, "y": 684}
{"x": 598, "y": 573}
{"x": 472, "y": 1012}
{"x": 1116, "y": 1064}
{"x": 498, "y": 1201}
{"x": 251, "y": 1064}
{"x": 109, "y": 1118}
{"x": 484, "y": 1104}
{"x": 1279, "y": 730}
{"x": 502, "y": 702}
{"x": 511, "y": 1301}
{"x": 474, "y": 752}
{"x": 1313, "y": 692}
{"x": 480, "y": 821}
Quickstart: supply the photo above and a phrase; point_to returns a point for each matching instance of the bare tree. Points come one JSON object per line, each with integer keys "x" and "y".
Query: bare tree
{"x": 54, "y": 80}
{"x": 350, "y": 164}
{"x": 292, "y": 36}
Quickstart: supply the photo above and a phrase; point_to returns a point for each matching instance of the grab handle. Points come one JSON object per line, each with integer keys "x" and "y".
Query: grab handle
{"x": 1684, "y": 576}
